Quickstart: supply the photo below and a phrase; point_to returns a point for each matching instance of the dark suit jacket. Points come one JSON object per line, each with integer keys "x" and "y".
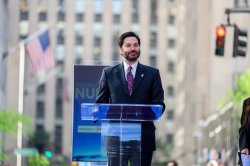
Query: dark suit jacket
{"x": 244, "y": 134}
{"x": 147, "y": 89}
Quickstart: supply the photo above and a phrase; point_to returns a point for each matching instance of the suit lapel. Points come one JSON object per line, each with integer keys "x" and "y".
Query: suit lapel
{"x": 121, "y": 77}
{"x": 139, "y": 76}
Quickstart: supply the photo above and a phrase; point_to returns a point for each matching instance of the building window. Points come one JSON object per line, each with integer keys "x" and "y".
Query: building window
{"x": 59, "y": 62}
{"x": 23, "y": 5}
{"x": 98, "y": 17}
{"x": 60, "y": 52}
{"x": 97, "y": 55}
{"x": 61, "y": 4}
{"x": 60, "y": 37}
{"x": 59, "y": 103}
{"x": 40, "y": 109}
{"x": 58, "y": 139}
{"x": 171, "y": 67}
{"x": 171, "y": 43}
{"x": 170, "y": 91}
{"x": 24, "y": 15}
{"x": 42, "y": 5}
{"x": 97, "y": 42}
{"x": 241, "y": 3}
{"x": 135, "y": 9}
{"x": 153, "y": 14}
{"x": 79, "y": 6}
{"x": 42, "y": 16}
{"x": 78, "y": 60}
{"x": 61, "y": 10}
{"x": 60, "y": 16}
{"x": 59, "y": 108}
{"x": 135, "y": 18}
{"x": 171, "y": 19}
{"x": 39, "y": 127}
{"x": 116, "y": 54}
{"x": 41, "y": 89}
{"x": 22, "y": 37}
{"x": 97, "y": 48}
{"x": 116, "y": 6}
{"x": 153, "y": 40}
{"x": 116, "y": 18}
{"x": 98, "y": 6}
{"x": 170, "y": 114}
{"x": 79, "y": 40}
{"x": 79, "y": 17}
{"x": 24, "y": 28}
{"x": 170, "y": 139}
{"x": 152, "y": 61}
{"x": 59, "y": 86}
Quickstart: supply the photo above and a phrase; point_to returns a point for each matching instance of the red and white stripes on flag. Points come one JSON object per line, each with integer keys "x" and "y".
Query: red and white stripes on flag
{"x": 40, "y": 52}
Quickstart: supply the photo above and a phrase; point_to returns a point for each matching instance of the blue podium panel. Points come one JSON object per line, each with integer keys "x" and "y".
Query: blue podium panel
{"x": 120, "y": 112}
{"x": 120, "y": 141}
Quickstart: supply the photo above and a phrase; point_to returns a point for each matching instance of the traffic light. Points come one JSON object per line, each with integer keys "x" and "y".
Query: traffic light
{"x": 220, "y": 40}
{"x": 240, "y": 42}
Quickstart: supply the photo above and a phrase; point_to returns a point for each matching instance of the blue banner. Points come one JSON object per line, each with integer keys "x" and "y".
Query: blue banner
{"x": 86, "y": 146}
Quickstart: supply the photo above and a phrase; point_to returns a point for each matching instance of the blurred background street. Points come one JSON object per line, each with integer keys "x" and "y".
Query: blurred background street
{"x": 201, "y": 48}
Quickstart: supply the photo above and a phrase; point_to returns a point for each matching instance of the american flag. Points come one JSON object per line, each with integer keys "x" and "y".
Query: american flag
{"x": 40, "y": 52}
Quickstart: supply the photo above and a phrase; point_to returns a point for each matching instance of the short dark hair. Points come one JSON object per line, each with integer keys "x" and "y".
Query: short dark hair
{"x": 174, "y": 162}
{"x": 128, "y": 34}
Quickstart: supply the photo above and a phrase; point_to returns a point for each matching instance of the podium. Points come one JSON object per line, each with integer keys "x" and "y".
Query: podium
{"x": 120, "y": 130}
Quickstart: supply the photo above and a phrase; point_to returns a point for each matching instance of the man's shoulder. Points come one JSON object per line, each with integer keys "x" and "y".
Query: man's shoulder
{"x": 113, "y": 68}
{"x": 150, "y": 68}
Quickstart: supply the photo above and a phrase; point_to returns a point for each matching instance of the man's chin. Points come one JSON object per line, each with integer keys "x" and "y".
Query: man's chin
{"x": 134, "y": 59}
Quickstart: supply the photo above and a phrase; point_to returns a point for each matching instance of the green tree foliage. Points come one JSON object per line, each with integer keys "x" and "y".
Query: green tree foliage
{"x": 9, "y": 120}
{"x": 241, "y": 92}
{"x": 8, "y": 125}
{"x": 3, "y": 157}
{"x": 38, "y": 160}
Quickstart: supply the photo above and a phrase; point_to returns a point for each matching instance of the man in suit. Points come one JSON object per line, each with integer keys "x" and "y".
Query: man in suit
{"x": 132, "y": 83}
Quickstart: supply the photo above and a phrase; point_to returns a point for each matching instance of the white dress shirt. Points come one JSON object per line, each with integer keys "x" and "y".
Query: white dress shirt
{"x": 134, "y": 67}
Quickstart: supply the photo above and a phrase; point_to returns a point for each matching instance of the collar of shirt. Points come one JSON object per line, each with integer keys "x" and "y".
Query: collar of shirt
{"x": 134, "y": 67}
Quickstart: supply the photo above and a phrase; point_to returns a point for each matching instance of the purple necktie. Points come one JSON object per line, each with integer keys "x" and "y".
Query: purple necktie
{"x": 130, "y": 80}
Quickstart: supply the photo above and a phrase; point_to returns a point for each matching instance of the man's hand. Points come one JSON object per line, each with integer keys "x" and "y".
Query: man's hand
{"x": 95, "y": 114}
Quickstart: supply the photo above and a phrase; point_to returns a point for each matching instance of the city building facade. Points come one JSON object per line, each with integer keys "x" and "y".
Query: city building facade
{"x": 86, "y": 32}
{"x": 177, "y": 36}
{"x": 3, "y": 62}
{"x": 3, "y": 52}
{"x": 202, "y": 78}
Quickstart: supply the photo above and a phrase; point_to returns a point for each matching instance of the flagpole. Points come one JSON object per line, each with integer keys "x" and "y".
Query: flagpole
{"x": 20, "y": 101}
{"x": 21, "y": 91}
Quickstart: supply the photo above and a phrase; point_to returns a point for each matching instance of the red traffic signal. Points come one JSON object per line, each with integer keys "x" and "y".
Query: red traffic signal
{"x": 220, "y": 31}
{"x": 220, "y": 40}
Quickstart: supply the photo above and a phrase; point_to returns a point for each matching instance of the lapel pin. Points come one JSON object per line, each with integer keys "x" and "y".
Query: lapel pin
{"x": 142, "y": 75}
